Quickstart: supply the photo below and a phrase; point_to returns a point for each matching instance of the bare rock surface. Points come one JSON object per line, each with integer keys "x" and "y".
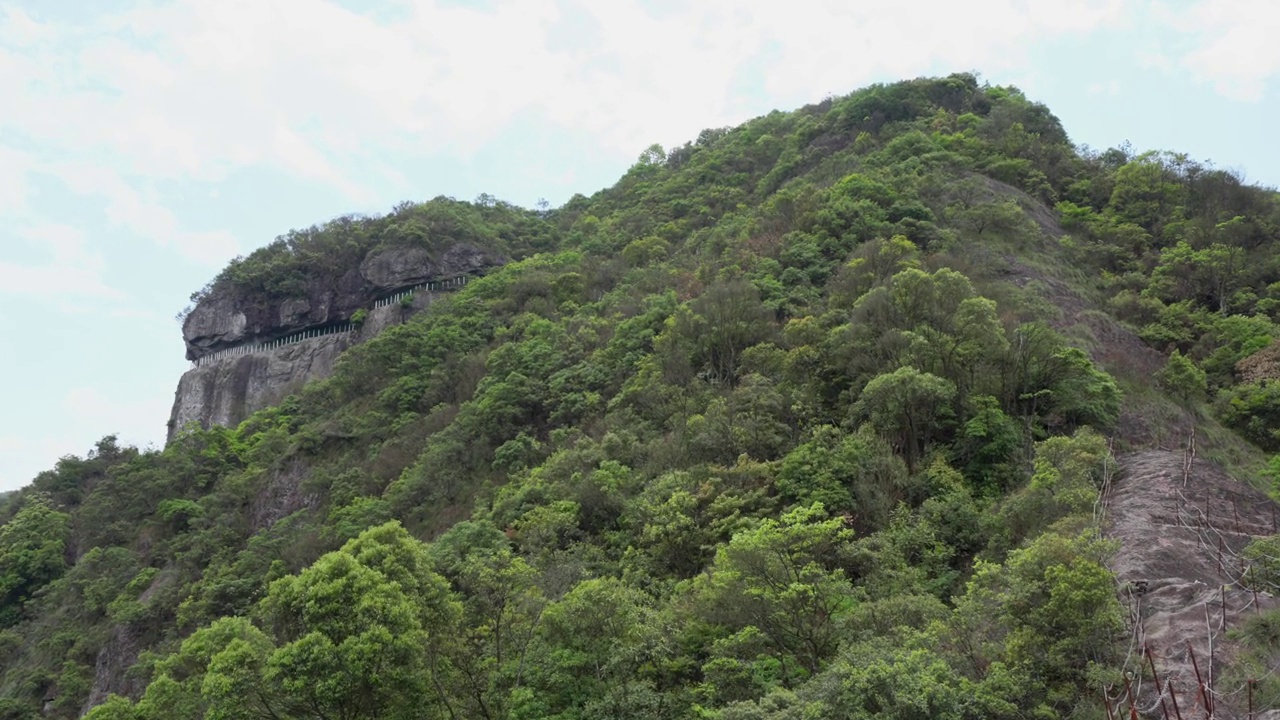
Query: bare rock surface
{"x": 1170, "y": 518}
{"x": 281, "y": 497}
{"x": 226, "y": 318}
{"x": 227, "y": 391}
{"x": 401, "y": 267}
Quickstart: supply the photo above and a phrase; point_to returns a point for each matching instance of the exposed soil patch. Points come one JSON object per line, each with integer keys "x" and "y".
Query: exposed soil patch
{"x": 1181, "y": 528}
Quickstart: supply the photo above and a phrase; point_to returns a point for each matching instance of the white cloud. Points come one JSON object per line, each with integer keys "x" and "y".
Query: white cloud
{"x": 642, "y": 76}
{"x": 1109, "y": 88}
{"x": 195, "y": 90}
{"x": 906, "y": 39}
{"x": 89, "y": 415}
{"x": 69, "y": 265}
{"x": 137, "y": 421}
{"x": 66, "y": 243}
{"x": 20, "y": 30}
{"x": 22, "y": 457}
{"x": 1155, "y": 58}
{"x": 35, "y": 281}
{"x": 142, "y": 214}
{"x": 1230, "y": 43}
{"x": 14, "y": 166}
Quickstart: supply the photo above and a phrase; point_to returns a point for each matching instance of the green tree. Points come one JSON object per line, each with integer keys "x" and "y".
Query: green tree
{"x": 731, "y": 319}
{"x": 873, "y": 262}
{"x": 934, "y": 322}
{"x": 178, "y": 688}
{"x": 595, "y": 646}
{"x": 502, "y": 607}
{"x": 856, "y": 474}
{"x": 352, "y": 636}
{"x": 1183, "y": 379}
{"x": 1146, "y": 191}
{"x": 1067, "y": 475}
{"x": 115, "y": 708}
{"x": 1253, "y": 409}
{"x": 32, "y": 554}
{"x": 890, "y": 683}
{"x": 354, "y": 631}
{"x": 1211, "y": 274}
{"x": 1049, "y": 609}
{"x": 908, "y": 407}
{"x": 781, "y": 578}
{"x": 1058, "y": 385}
{"x": 988, "y": 443}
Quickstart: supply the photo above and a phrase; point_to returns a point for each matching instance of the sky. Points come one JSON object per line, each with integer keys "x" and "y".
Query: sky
{"x": 143, "y": 145}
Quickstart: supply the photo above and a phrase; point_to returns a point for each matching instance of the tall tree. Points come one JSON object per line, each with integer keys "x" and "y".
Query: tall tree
{"x": 908, "y": 407}
{"x": 32, "y": 554}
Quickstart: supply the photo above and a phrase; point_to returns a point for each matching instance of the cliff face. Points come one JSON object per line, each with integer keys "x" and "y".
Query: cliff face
{"x": 229, "y": 319}
{"x": 227, "y": 390}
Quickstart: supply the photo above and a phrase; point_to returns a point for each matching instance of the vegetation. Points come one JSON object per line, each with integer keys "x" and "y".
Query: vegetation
{"x": 320, "y": 255}
{"x": 763, "y": 431}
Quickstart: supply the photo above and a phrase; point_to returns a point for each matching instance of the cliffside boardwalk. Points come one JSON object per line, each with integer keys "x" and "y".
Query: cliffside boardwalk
{"x": 249, "y": 348}
{"x": 340, "y": 328}
{"x": 445, "y": 285}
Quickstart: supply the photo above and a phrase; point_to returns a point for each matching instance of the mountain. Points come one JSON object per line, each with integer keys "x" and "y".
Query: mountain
{"x": 898, "y": 405}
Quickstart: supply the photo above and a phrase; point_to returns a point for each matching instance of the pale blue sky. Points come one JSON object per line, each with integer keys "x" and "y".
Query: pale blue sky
{"x": 145, "y": 144}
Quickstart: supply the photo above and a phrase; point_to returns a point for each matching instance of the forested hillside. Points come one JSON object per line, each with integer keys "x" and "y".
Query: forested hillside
{"x": 803, "y": 419}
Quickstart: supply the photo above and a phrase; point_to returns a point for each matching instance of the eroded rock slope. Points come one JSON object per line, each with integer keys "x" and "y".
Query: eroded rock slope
{"x": 1181, "y": 524}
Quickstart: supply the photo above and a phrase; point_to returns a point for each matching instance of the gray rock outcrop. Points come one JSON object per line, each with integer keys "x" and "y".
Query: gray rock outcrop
{"x": 228, "y": 390}
{"x": 227, "y": 319}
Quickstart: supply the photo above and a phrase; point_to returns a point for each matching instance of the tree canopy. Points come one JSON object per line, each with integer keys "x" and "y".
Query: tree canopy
{"x": 802, "y": 418}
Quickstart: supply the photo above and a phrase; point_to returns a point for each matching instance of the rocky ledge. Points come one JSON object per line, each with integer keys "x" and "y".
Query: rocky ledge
{"x": 228, "y": 319}
{"x": 228, "y": 390}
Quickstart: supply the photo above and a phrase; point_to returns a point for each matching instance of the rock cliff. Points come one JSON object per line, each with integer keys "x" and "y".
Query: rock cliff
{"x": 226, "y": 391}
{"x": 228, "y": 318}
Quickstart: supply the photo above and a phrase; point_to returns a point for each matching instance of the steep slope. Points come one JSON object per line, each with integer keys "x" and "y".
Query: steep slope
{"x": 806, "y": 418}
{"x": 1183, "y": 526}
{"x": 280, "y": 318}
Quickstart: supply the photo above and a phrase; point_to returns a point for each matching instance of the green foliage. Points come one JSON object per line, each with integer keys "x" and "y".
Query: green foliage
{"x": 1263, "y": 555}
{"x": 1259, "y": 640}
{"x": 32, "y": 547}
{"x": 908, "y": 406}
{"x": 1049, "y": 610}
{"x": 856, "y": 474}
{"x": 790, "y": 422}
{"x": 594, "y": 656}
{"x": 349, "y": 636}
{"x": 780, "y": 579}
{"x": 320, "y": 254}
{"x": 1182, "y": 379}
{"x": 1253, "y": 409}
{"x": 1145, "y": 192}
{"x": 1068, "y": 472}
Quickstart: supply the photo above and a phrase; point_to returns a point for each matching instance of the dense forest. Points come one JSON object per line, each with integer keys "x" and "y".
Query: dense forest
{"x": 803, "y": 419}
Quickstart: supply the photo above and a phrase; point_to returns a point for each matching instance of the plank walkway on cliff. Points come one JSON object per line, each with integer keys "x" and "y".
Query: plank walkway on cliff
{"x": 317, "y": 332}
